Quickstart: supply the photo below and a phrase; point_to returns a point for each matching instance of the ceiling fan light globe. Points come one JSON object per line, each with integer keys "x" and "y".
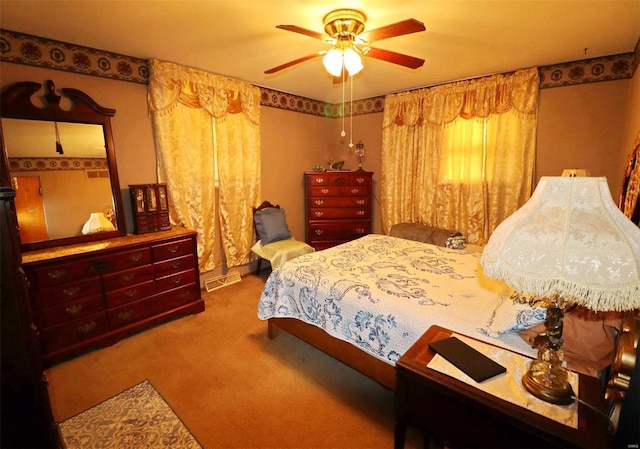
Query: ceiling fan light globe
{"x": 352, "y": 61}
{"x": 333, "y": 62}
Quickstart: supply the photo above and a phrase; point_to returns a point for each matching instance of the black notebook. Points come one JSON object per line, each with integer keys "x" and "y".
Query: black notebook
{"x": 471, "y": 362}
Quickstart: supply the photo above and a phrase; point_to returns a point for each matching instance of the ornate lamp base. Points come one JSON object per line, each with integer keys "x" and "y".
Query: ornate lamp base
{"x": 547, "y": 378}
{"x": 561, "y": 394}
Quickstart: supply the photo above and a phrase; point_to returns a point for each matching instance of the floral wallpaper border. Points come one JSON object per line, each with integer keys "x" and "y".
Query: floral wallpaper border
{"x": 22, "y": 164}
{"x": 37, "y": 51}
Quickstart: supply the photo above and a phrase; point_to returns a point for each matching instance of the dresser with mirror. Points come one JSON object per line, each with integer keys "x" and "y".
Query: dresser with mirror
{"x": 88, "y": 282}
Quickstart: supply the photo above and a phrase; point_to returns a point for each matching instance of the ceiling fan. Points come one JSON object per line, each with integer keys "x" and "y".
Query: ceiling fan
{"x": 345, "y": 31}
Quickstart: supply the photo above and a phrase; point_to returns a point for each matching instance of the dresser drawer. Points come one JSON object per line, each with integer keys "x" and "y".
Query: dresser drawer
{"x": 154, "y": 305}
{"x": 175, "y": 280}
{"x": 131, "y": 293}
{"x": 68, "y": 334}
{"x": 71, "y": 310}
{"x": 173, "y": 265}
{"x": 327, "y": 213}
{"x": 48, "y": 297}
{"x": 337, "y": 230}
{"x": 55, "y": 274}
{"x": 124, "y": 278}
{"x": 338, "y": 191}
{"x": 340, "y": 201}
{"x": 172, "y": 249}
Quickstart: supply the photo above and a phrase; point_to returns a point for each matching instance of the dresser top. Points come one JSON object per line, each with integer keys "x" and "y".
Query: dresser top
{"x": 115, "y": 243}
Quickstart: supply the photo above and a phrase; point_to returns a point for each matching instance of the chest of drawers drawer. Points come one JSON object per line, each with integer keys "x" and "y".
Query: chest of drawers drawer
{"x": 327, "y": 213}
{"x": 338, "y": 201}
{"x": 338, "y": 191}
{"x": 328, "y": 230}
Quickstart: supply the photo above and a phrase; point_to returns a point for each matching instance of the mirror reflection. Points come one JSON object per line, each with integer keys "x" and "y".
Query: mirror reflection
{"x": 61, "y": 176}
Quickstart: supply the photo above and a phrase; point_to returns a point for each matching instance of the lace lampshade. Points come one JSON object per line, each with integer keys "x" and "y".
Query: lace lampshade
{"x": 569, "y": 244}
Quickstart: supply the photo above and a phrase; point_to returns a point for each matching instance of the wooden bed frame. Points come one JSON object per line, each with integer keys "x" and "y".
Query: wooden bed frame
{"x": 618, "y": 378}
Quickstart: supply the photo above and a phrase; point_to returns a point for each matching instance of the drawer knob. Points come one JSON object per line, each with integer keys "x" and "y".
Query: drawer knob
{"x": 360, "y": 230}
{"x": 176, "y": 279}
{"x": 360, "y": 202}
{"x": 360, "y": 212}
{"x": 318, "y": 231}
{"x": 71, "y": 291}
{"x": 135, "y": 257}
{"x": 131, "y": 293}
{"x": 173, "y": 249}
{"x": 359, "y": 180}
{"x": 319, "y": 202}
{"x": 324, "y": 191}
{"x": 74, "y": 309}
{"x": 319, "y": 180}
{"x": 175, "y": 264}
{"x": 126, "y": 315}
{"x": 128, "y": 276}
{"x": 354, "y": 191}
{"x": 318, "y": 213}
{"x": 87, "y": 327}
{"x": 56, "y": 274}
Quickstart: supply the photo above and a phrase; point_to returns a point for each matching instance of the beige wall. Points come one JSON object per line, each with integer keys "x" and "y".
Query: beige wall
{"x": 582, "y": 127}
{"x": 588, "y": 126}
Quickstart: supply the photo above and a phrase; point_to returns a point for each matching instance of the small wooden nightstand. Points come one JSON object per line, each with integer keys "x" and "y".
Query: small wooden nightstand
{"x": 461, "y": 415}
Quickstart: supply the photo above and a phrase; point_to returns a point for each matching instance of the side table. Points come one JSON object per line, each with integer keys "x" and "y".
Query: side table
{"x": 461, "y": 415}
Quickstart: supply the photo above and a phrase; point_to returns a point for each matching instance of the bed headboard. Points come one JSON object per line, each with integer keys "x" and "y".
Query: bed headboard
{"x": 619, "y": 380}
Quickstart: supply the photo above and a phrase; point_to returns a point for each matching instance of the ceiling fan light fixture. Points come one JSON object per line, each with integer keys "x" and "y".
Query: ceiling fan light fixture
{"x": 333, "y": 62}
{"x": 352, "y": 61}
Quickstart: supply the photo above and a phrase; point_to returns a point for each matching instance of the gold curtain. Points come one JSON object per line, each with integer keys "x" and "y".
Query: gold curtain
{"x": 196, "y": 114}
{"x": 460, "y": 156}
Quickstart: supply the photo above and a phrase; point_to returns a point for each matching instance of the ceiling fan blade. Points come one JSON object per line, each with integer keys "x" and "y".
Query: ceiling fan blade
{"x": 291, "y": 63}
{"x": 306, "y": 32}
{"x": 396, "y": 29}
{"x": 395, "y": 58}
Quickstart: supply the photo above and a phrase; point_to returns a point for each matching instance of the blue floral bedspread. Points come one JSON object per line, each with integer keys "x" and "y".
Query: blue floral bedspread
{"x": 381, "y": 293}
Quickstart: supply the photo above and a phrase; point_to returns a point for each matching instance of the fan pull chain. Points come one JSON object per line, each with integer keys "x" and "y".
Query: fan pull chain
{"x": 351, "y": 114}
{"x": 343, "y": 108}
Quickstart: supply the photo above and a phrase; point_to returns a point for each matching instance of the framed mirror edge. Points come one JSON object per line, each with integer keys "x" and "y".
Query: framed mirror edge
{"x": 16, "y": 103}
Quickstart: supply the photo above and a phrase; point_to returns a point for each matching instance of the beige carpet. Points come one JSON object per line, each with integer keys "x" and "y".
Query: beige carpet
{"x": 231, "y": 385}
{"x": 137, "y": 418}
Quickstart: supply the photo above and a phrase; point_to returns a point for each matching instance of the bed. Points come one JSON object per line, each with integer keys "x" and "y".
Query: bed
{"x": 365, "y": 302}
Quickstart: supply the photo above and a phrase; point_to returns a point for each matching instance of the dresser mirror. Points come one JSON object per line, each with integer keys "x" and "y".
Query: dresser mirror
{"x": 61, "y": 161}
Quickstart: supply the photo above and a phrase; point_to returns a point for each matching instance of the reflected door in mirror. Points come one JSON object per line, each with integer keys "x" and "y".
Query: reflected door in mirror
{"x": 30, "y": 209}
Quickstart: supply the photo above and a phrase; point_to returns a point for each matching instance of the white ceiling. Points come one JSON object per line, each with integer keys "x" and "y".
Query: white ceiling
{"x": 238, "y": 38}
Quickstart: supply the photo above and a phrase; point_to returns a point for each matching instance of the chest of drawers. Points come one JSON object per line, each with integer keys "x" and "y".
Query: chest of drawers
{"x": 338, "y": 207}
{"x": 91, "y": 295}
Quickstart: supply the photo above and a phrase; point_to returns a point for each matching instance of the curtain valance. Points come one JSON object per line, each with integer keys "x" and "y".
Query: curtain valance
{"x": 477, "y": 98}
{"x": 171, "y": 84}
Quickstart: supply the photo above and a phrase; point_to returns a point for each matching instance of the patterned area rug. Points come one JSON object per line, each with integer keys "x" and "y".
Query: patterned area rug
{"x": 136, "y": 418}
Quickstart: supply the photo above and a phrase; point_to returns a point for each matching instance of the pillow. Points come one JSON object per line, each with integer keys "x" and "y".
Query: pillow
{"x": 512, "y": 316}
{"x": 456, "y": 241}
{"x": 271, "y": 225}
{"x": 589, "y": 338}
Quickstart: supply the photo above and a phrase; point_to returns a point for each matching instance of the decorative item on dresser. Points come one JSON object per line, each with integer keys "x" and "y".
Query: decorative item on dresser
{"x": 338, "y": 207}
{"x": 150, "y": 205}
{"x": 90, "y": 295}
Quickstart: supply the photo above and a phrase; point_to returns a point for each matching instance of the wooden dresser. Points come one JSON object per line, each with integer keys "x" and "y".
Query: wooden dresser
{"x": 91, "y": 295}
{"x": 338, "y": 207}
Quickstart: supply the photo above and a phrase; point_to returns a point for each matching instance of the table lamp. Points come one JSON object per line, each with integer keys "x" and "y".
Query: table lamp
{"x": 569, "y": 244}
